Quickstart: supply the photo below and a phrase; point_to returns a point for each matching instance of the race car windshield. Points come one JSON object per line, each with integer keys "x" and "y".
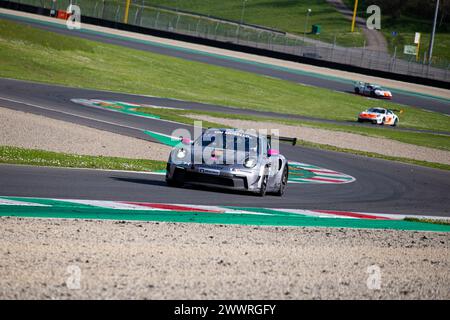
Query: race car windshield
{"x": 375, "y": 110}
{"x": 229, "y": 140}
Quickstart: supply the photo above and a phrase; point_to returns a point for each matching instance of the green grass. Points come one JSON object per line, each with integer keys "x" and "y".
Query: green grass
{"x": 285, "y": 15}
{"x": 406, "y": 26}
{"x": 15, "y": 155}
{"x": 31, "y": 54}
{"x": 436, "y": 141}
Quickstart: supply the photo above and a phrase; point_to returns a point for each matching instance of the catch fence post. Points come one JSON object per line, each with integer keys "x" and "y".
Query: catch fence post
{"x": 116, "y": 18}
{"x": 215, "y": 30}
{"x": 178, "y": 20}
{"x": 196, "y": 28}
{"x": 156, "y": 20}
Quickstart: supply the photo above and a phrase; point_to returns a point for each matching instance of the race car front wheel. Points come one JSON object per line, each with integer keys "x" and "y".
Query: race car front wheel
{"x": 283, "y": 183}
{"x": 176, "y": 181}
{"x": 263, "y": 189}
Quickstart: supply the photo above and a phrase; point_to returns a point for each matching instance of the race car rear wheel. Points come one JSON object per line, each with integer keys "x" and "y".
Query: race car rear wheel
{"x": 395, "y": 123}
{"x": 284, "y": 181}
{"x": 357, "y": 90}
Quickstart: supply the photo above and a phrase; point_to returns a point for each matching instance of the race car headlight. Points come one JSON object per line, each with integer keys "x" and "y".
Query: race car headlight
{"x": 250, "y": 162}
{"x": 181, "y": 153}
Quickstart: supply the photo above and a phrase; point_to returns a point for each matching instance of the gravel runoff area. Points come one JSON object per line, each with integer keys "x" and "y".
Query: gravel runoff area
{"x": 251, "y": 57}
{"x": 45, "y": 258}
{"x": 340, "y": 139}
{"x": 26, "y": 130}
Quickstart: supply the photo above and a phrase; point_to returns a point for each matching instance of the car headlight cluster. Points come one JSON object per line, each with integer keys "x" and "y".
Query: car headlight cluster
{"x": 181, "y": 153}
{"x": 250, "y": 162}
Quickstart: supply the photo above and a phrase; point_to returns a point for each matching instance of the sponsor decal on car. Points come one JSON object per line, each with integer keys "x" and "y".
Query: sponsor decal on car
{"x": 209, "y": 171}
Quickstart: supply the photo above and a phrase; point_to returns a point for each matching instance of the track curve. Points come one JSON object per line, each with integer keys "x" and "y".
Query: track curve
{"x": 380, "y": 186}
{"x": 402, "y": 97}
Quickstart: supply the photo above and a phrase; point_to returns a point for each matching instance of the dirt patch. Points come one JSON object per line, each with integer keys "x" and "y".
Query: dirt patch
{"x": 26, "y": 130}
{"x": 148, "y": 260}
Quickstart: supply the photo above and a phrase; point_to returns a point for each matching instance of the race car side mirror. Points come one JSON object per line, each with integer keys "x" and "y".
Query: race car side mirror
{"x": 273, "y": 152}
{"x": 186, "y": 141}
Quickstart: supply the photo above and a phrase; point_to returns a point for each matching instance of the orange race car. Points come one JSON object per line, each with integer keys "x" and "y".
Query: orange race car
{"x": 379, "y": 116}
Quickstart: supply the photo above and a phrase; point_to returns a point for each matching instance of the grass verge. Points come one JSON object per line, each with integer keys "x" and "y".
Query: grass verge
{"x": 32, "y": 54}
{"x": 15, "y": 155}
{"x": 289, "y": 16}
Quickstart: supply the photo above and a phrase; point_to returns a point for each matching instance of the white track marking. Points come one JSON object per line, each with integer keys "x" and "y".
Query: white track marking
{"x": 8, "y": 202}
{"x": 109, "y": 204}
{"x": 122, "y": 205}
{"x": 312, "y": 213}
{"x": 225, "y": 210}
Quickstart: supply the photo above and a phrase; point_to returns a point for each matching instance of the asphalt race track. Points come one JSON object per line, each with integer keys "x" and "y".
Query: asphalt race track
{"x": 438, "y": 105}
{"x": 53, "y": 95}
{"x": 380, "y": 186}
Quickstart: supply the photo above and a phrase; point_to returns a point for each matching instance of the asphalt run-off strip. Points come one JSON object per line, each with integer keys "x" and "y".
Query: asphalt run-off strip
{"x": 163, "y": 212}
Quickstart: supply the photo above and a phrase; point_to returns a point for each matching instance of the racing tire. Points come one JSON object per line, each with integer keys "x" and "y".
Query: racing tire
{"x": 284, "y": 181}
{"x": 382, "y": 122}
{"x": 374, "y": 122}
{"x": 395, "y": 123}
{"x": 360, "y": 121}
{"x": 263, "y": 189}
{"x": 357, "y": 90}
{"x": 176, "y": 181}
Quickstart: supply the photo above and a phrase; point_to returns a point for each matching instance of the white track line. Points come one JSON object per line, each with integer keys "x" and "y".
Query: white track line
{"x": 8, "y": 202}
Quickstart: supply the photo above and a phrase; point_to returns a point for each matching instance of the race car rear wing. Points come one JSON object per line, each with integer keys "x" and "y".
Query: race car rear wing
{"x": 283, "y": 139}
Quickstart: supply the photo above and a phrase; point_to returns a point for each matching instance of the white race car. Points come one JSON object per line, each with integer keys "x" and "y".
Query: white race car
{"x": 379, "y": 116}
{"x": 372, "y": 90}
{"x": 231, "y": 159}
